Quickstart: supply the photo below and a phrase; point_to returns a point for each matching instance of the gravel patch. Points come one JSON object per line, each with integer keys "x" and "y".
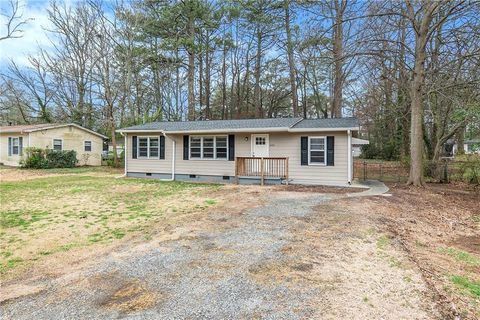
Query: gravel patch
{"x": 245, "y": 267}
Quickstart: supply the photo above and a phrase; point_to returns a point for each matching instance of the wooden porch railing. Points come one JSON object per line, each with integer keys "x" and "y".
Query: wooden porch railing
{"x": 270, "y": 167}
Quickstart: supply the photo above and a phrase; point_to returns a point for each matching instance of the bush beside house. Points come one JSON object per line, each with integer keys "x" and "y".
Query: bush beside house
{"x": 37, "y": 158}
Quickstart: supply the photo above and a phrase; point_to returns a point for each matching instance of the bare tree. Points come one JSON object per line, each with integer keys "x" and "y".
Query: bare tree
{"x": 15, "y": 21}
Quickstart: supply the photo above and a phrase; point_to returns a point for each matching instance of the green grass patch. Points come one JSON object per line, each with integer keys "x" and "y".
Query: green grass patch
{"x": 383, "y": 242}
{"x": 77, "y": 208}
{"x": 461, "y": 256}
{"x": 118, "y": 233}
{"x": 20, "y": 218}
{"x": 470, "y": 286}
{"x": 10, "y": 264}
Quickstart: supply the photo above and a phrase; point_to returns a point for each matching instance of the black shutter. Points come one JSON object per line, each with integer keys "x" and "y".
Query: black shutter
{"x": 9, "y": 146}
{"x": 162, "y": 147}
{"x": 330, "y": 150}
{"x": 20, "y": 146}
{"x": 134, "y": 147}
{"x": 304, "y": 151}
{"x": 185, "y": 147}
{"x": 231, "y": 147}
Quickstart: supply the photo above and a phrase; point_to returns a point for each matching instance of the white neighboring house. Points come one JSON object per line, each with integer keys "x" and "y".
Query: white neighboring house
{"x": 356, "y": 146}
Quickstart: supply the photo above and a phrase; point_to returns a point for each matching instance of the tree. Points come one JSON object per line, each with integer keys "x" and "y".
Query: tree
{"x": 15, "y": 21}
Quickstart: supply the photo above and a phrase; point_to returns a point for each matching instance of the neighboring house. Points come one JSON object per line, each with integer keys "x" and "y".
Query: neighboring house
{"x": 469, "y": 146}
{"x": 279, "y": 150}
{"x": 357, "y": 146}
{"x": 87, "y": 143}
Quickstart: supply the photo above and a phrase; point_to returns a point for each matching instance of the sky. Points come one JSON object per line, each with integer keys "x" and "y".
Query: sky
{"x": 33, "y": 35}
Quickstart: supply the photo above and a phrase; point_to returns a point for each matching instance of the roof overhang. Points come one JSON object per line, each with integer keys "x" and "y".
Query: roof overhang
{"x": 242, "y": 130}
{"x": 323, "y": 129}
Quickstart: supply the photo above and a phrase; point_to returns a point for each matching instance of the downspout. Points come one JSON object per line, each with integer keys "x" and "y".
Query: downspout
{"x": 173, "y": 159}
{"x": 349, "y": 148}
{"x": 125, "y": 154}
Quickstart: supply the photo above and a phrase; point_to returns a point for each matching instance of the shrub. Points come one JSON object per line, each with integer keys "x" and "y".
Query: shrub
{"x": 36, "y": 158}
{"x": 121, "y": 159}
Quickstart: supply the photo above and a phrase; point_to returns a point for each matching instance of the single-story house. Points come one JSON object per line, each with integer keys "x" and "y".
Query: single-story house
{"x": 279, "y": 150}
{"x": 87, "y": 143}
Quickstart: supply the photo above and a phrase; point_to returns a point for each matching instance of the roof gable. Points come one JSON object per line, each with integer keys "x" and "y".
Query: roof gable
{"x": 45, "y": 126}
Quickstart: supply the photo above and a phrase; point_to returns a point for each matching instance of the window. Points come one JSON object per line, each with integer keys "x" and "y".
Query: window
{"x": 209, "y": 147}
{"x": 15, "y": 146}
{"x": 260, "y": 141}
{"x": 57, "y": 144}
{"x": 316, "y": 150}
{"x": 88, "y": 146}
{"x": 148, "y": 147}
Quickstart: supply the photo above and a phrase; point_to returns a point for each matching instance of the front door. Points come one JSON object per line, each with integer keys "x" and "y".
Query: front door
{"x": 260, "y": 145}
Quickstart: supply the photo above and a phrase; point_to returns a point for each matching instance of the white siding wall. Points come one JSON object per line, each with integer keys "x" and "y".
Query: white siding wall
{"x": 281, "y": 145}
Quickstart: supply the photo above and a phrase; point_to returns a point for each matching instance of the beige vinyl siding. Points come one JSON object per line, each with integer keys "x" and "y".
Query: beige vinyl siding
{"x": 281, "y": 145}
{"x": 73, "y": 139}
{"x": 149, "y": 165}
{"x": 288, "y": 145}
{"x": 13, "y": 160}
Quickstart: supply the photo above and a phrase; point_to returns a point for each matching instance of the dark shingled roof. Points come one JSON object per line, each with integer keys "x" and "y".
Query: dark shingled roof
{"x": 328, "y": 123}
{"x": 245, "y": 124}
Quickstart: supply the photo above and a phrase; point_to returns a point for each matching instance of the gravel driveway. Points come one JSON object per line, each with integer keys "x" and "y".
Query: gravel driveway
{"x": 299, "y": 256}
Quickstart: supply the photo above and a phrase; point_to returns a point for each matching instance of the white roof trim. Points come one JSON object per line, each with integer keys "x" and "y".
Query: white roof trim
{"x": 65, "y": 125}
{"x": 322, "y": 129}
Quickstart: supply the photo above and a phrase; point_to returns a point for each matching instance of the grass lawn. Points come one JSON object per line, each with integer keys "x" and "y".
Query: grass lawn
{"x": 62, "y": 209}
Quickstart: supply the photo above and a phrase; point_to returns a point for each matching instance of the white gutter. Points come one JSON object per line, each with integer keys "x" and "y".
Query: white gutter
{"x": 125, "y": 152}
{"x": 125, "y": 155}
{"x": 349, "y": 148}
{"x": 322, "y": 129}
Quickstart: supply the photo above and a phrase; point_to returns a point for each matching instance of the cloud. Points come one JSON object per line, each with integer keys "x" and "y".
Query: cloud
{"x": 34, "y": 35}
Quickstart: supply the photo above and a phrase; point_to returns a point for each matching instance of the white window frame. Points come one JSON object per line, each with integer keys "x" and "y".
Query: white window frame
{"x": 84, "y": 145}
{"x": 18, "y": 146}
{"x": 148, "y": 147}
{"x": 201, "y": 147}
{"x": 324, "y": 150}
{"x": 53, "y": 143}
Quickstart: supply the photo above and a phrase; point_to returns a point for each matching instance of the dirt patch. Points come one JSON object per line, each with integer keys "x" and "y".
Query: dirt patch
{"x": 468, "y": 243}
{"x": 14, "y": 174}
{"x": 130, "y": 297}
{"x": 438, "y": 228}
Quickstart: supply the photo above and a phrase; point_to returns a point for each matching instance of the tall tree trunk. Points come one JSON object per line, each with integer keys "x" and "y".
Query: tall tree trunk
{"x": 191, "y": 72}
{"x": 338, "y": 76}
{"x": 258, "y": 61}
{"x": 291, "y": 63}
{"x": 416, "y": 94}
{"x": 224, "y": 81}
{"x": 461, "y": 141}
